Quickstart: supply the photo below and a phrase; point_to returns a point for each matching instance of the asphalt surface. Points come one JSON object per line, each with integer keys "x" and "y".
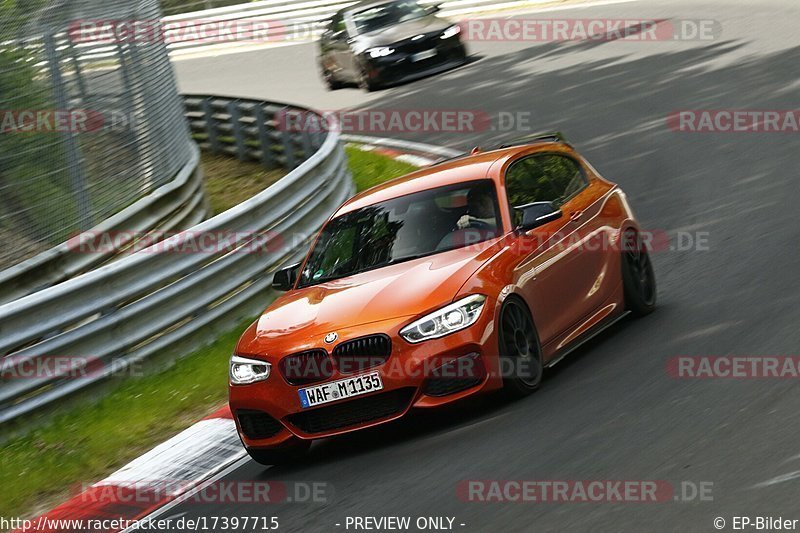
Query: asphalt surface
{"x": 611, "y": 411}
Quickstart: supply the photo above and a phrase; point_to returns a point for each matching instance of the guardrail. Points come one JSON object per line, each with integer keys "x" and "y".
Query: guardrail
{"x": 250, "y": 130}
{"x": 159, "y": 300}
{"x": 291, "y": 20}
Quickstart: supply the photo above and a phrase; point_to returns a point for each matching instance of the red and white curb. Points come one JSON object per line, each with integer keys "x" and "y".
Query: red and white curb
{"x": 413, "y": 153}
{"x": 161, "y": 476}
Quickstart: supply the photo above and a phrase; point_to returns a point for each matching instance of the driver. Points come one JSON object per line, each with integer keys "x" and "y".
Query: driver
{"x": 480, "y": 210}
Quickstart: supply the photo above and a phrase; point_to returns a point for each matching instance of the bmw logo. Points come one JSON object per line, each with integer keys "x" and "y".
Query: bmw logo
{"x": 331, "y": 337}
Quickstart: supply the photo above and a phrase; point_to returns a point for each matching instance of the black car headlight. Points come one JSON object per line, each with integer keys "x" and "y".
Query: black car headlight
{"x": 243, "y": 371}
{"x": 449, "y": 319}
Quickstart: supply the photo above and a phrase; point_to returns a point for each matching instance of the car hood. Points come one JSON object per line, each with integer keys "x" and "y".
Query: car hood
{"x": 404, "y": 289}
{"x": 404, "y": 30}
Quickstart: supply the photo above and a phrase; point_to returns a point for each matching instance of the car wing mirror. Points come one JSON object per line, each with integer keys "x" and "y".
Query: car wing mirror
{"x": 537, "y": 214}
{"x": 285, "y": 278}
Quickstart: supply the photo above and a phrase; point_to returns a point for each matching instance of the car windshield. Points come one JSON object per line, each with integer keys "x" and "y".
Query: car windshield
{"x": 404, "y": 228}
{"x": 383, "y": 15}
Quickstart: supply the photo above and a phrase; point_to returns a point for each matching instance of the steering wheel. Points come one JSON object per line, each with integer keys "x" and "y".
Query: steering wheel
{"x": 479, "y": 224}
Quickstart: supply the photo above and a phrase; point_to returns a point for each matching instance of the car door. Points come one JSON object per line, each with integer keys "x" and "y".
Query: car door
{"x": 551, "y": 268}
{"x": 591, "y": 233}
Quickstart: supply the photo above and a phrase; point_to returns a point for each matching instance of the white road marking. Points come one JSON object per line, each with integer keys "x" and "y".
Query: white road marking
{"x": 778, "y": 479}
{"x": 415, "y": 160}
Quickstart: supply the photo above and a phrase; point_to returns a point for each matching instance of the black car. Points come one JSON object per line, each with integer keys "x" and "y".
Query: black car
{"x": 379, "y": 42}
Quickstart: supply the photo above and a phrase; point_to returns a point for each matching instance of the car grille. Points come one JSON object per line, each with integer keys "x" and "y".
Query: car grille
{"x": 257, "y": 424}
{"x": 306, "y": 367}
{"x": 455, "y": 376}
{"x": 359, "y": 354}
{"x": 353, "y": 412}
{"x": 420, "y": 45}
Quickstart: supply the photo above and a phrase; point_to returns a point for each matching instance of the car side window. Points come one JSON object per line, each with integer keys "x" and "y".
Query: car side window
{"x": 544, "y": 178}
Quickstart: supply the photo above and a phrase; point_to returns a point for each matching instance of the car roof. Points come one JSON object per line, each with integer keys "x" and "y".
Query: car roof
{"x": 458, "y": 170}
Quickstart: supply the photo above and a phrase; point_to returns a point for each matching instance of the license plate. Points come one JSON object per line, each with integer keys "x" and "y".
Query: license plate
{"x": 338, "y": 390}
{"x": 427, "y": 54}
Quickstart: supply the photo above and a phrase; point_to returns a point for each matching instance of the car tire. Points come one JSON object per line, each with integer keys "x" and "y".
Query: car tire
{"x": 331, "y": 83}
{"x": 638, "y": 277}
{"x": 462, "y": 53}
{"x": 520, "y": 350}
{"x": 364, "y": 84}
{"x": 286, "y": 454}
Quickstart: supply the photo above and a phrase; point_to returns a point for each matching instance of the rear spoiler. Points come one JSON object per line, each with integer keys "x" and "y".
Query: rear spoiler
{"x": 549, "y": 137}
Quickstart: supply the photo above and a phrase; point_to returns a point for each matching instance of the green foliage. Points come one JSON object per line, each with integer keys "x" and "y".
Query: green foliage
{"x": 372, "y": 169}
{"x": 31, "y": 163}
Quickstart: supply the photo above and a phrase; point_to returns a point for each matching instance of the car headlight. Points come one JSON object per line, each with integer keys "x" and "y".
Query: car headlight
{"x": 452, "y": 31}
{"x": 381, "y": 51}
{"x": 449, "y": 319}
{"x": 243, "y": 370}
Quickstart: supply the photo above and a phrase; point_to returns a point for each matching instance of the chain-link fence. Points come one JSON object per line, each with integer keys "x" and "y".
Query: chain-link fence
{"x": 88, "y": 123}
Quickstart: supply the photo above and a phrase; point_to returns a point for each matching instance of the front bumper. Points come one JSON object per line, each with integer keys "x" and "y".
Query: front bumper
{"x": 411, "y": 377}
{"x": 400, "y": 67}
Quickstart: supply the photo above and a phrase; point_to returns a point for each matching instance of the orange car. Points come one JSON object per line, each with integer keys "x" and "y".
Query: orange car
{"x": 459, "y": 279}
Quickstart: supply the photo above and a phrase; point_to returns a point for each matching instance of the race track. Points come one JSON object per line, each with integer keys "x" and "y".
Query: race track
{"x": 611, "y": 411}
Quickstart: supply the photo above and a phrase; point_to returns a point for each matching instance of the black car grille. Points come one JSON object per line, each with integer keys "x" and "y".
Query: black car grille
{"x": 455, "y": 376}
{"x": 352, "y": 412}
{"x": 364, "y": 352}
{"x": 306, "y": 367}
{"x": 257, "y": 424}
{"x": 420, "y": 45}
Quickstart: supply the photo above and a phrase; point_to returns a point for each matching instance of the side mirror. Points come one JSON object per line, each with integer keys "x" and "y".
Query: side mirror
{"x": 537, "y": 214}
{"x": 285, "y": 278}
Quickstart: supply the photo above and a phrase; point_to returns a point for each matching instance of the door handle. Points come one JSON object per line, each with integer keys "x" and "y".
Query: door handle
{"x": 575, "y": 215}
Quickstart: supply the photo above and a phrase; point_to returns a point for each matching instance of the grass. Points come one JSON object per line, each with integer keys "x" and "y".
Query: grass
{"x": 92, "y": 439}
{"x": 229, "y": 181}
{"x": 370, "y": 169}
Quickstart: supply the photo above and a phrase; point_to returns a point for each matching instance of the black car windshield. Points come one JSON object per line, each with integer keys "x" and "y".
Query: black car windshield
{"x": 384, "y": 15}
{"x": 408, "y": 227}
